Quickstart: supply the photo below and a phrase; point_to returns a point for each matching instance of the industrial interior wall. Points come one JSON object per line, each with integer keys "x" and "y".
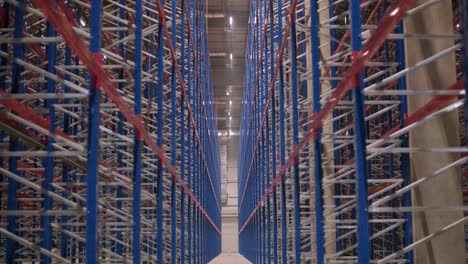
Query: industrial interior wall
{"x": 450, "y": 246}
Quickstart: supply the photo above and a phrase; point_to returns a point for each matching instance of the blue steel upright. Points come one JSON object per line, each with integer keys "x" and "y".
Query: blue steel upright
{"x": 318, "y": 173}
{"x": 363, "y": 228}
{"x": 93, "y": 140}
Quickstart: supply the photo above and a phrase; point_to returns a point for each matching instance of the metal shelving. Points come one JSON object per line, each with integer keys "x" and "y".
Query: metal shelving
{"x": 109, "y": 139}
{"x": 346, "y": 106}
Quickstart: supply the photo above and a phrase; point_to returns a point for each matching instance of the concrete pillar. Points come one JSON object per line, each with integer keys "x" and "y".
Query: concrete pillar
{"x": 446, "y": 190}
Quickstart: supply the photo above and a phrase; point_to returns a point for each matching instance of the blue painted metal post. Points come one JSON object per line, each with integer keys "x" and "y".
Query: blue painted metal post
{"x": 190, "y": 89}
{"x": 196, "y": 98}
{"x": 173, "y": 137}
{"x": 4, "y": 23}
{"x": 261, "y": 150}
{"x": 138, "y": 142}
{"x": 17, "y": 87}
{"x": 160, "y": 120}
{"x": 189, "y": 147}
{"x": 318, "y": 173}
{"x": 463, "y": 5}
{"x": 93, "y": 140}
{"x": 182, "y": 138}
{"x": 360, "y": 142}
{"x": 266, "y": 61}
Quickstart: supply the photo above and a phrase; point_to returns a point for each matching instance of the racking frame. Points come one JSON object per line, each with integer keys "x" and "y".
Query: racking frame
{"x": 329, "y": 126}
{"x": 109, "y": 140}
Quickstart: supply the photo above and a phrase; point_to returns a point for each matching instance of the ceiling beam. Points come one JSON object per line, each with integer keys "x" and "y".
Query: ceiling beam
{"x": 215, "y": 15}
{"x": 217, "y": 54}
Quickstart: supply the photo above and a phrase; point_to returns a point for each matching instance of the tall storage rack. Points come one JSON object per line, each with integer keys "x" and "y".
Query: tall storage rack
{"x": 345, "y": 107}
{"x": 108, "y": 133}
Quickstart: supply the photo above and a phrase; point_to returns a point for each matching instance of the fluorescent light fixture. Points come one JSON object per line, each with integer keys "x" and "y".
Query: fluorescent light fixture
{"x": 230, "y": 102}
{"x": 230, "y": 20}
{"x": 230, "y": 117}
{"x": 230, "y": 56}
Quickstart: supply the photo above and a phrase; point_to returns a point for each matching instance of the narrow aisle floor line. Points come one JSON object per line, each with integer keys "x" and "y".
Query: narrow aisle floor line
{"x": 230, "y": 258}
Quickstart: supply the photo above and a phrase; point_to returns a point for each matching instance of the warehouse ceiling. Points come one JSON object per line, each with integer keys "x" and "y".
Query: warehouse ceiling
{"x": 227, "y": 36}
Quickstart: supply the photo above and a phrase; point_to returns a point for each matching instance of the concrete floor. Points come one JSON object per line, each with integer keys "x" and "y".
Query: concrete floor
{"x": 230, "y": 258}
{"x": 229, "y": 211}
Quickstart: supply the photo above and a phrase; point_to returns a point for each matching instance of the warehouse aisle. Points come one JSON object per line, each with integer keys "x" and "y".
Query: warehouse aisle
{"x": 233, "y": 131}
{"x": 230, "y": 258}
